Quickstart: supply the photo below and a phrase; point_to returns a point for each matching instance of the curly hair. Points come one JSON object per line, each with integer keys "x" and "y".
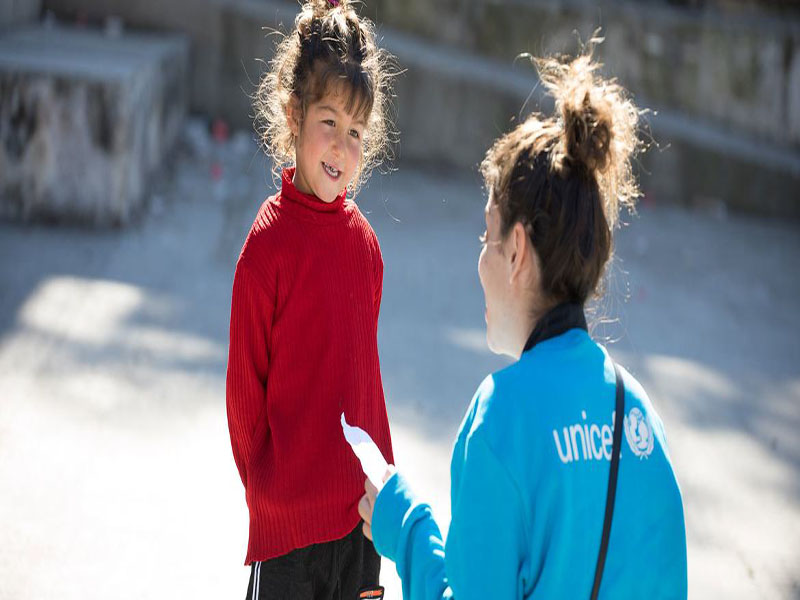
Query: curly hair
{"x": 565, "y": 177}
{"x": 330, "y": 45}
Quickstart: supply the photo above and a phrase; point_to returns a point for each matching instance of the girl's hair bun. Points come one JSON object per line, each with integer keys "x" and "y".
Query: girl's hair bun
{"x": 321, "y": 7}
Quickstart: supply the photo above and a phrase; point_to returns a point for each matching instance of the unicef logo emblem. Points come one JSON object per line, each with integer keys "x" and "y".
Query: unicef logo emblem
{"x": 639, "y": 433}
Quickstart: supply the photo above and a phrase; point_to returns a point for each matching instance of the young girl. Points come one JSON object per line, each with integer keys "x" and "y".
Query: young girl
{"x": 537, "y": 478}
{"x": 304, "y": 316}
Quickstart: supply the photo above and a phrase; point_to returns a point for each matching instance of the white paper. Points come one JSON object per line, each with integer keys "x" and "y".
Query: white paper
{"x": 372, "y": 462}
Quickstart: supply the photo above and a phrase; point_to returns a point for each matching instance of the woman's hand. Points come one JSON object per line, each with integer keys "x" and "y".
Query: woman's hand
{"x": 367, "y": 503}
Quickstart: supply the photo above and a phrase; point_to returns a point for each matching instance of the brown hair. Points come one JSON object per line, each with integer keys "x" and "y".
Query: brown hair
{"x": 565, "y": 177}
{"x": 330, "y": 45}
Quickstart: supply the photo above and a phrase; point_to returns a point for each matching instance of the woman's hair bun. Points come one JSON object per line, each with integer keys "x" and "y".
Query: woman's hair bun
{"x": 587, "y": 133}
{"x": 597, "y": 124}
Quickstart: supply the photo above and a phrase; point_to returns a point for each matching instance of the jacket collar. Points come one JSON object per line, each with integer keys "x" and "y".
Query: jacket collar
{"x": 558, "y": 320}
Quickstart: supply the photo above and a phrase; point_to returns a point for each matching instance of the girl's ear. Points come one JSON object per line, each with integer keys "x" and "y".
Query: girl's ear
{"x": 293, "y": 115}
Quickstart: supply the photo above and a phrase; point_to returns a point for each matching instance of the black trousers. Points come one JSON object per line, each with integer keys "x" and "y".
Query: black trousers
{"x": 340, "y": 570}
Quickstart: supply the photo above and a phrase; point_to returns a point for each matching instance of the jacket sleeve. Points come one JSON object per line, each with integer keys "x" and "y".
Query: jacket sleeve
{"x": 403, "y": 530}
{"x": 252, "y": 308}
{"x": 486, "y": 542}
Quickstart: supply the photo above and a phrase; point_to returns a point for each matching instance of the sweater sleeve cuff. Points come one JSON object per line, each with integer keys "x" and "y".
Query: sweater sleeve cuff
{"x": 393, "y": 507}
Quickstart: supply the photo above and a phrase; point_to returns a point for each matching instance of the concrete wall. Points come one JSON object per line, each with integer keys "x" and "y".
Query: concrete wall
{"x": 741, "y": 73}
{"x": 18, "y": 12}
{"x": 726, "y": 89}
{"x": 738, "y": 71}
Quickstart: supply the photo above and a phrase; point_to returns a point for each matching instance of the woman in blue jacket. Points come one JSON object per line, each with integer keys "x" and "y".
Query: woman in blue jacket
{"x": 532, "y": 464}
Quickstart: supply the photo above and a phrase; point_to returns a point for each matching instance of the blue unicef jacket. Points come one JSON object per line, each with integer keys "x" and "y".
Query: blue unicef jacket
{"x": 529, "y": 477}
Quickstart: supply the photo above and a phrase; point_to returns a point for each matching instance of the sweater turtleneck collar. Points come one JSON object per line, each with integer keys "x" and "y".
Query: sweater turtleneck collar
{"x": 309, "y": 201}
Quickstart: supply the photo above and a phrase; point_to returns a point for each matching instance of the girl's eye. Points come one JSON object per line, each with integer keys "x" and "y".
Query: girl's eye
{"x": 329, "y": 122}
{"x": 355, "y": 133}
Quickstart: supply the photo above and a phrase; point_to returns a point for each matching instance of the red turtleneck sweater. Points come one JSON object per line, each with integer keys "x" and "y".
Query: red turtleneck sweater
{"x": 303, "y": 349}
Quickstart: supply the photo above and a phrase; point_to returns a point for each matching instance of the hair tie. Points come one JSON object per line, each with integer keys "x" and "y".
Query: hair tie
{"x": 333, "y": 3}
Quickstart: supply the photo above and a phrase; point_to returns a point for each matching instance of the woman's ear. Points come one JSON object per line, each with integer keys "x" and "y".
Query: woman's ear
{"x": 518, "y": 252}
{"x": 292, "y": 111}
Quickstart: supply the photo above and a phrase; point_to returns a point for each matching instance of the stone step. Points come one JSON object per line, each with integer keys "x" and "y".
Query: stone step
{"x": 86, "y": 119}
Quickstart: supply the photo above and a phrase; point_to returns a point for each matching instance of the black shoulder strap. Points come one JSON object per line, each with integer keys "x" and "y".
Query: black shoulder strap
{"x": 612, "y": 483}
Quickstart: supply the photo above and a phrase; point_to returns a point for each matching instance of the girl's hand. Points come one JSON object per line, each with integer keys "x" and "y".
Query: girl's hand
{"x": 367, "y": 503}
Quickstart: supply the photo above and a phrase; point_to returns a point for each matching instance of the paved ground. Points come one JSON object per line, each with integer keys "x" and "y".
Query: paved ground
{"x": 116, "y": 477}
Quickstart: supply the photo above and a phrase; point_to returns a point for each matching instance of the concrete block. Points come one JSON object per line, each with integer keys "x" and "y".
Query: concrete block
{"x": 85, "y": 120}
{"x": 228, "y": 38}
{"x": 199, "y": 20}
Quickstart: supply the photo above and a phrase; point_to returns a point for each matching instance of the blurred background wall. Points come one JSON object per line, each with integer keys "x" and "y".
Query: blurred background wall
{"x": 721, "y": 77}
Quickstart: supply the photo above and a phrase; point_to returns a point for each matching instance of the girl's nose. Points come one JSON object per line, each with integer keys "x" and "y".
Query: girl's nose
{"x": 337, "y": 145}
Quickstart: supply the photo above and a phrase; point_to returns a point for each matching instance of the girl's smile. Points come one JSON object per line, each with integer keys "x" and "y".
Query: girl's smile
{"x": 332, "y": 171}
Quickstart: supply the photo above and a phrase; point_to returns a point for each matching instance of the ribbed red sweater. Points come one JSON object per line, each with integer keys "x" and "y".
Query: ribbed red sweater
{"x": 303, "y": 349}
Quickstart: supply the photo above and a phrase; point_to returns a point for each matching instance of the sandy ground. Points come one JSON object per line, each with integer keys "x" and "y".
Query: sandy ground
{"x": 116, "y": 476}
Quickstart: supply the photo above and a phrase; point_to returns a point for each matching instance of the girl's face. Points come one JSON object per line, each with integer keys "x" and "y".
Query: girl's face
{"x": 327, "y": 146}
{"x": 494, "y": 273}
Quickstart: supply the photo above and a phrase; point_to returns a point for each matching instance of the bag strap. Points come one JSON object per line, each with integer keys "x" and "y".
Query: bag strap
{"x": 612, "y": 483}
